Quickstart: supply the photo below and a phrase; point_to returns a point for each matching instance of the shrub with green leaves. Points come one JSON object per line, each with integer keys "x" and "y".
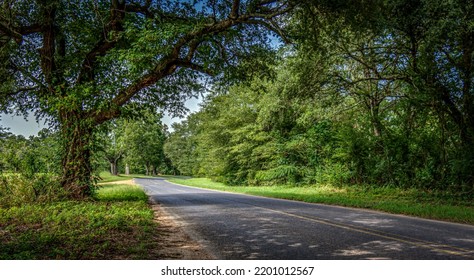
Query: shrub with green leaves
{"x": 18, "y": 189}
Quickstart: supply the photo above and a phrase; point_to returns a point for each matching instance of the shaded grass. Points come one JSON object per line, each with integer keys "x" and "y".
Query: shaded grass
{"x": 117, "y": 224}
{"x": 414, "y": 202}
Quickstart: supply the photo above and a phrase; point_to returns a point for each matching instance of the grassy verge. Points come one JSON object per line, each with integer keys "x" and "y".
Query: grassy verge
{"x": 432, "y": 205}
{"x": 116, "y": 224}
{"x": 106, "y": 177}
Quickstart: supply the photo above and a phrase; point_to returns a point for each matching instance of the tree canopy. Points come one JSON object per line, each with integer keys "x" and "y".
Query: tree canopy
{"x": 375, "y": 93}
{"x": 82, "y": 63}
{"x": 367, "y": 92}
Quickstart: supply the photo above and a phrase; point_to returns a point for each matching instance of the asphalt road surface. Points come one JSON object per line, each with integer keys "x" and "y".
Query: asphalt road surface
{"x": 235, "y": 226}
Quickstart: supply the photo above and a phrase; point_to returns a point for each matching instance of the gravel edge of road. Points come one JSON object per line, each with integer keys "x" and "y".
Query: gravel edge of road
{"x": 175, "y": 242}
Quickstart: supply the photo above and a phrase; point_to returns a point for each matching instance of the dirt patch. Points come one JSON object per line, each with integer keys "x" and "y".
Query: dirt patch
{"x": 175, "y": 243}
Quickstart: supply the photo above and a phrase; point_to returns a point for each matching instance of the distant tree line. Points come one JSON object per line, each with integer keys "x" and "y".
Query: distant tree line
{"x": 136, "y": 143}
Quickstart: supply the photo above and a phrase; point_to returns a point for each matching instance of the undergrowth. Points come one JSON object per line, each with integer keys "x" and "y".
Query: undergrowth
{"x": 116, "y": 223}
{"x": 19, "y": 189}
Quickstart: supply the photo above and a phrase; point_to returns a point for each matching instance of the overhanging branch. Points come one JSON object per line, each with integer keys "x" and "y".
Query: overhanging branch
{"x": 10, "y": 32}
{"x": 194, "y": 66}
{"x": 117, "y": 14}
{"x": 191, "y": 40}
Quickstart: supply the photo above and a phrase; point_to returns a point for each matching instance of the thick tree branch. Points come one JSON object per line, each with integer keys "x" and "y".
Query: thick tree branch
{"x": 10, "y": 32}
{"x": 168, "y": 65}
{"x": 117, "y": 14}
{"x": 48, "y": 49}
{"x": 18, "y": 33}
{"x": 234, "y": 13}
{"x": 30, "y": 29}
{"x": 165, "y": 68}
{"x": 192, "y": 49}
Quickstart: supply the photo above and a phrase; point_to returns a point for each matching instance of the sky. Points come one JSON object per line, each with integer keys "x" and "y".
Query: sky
{"x": 19, "y": 125}
{"x": 27, "y": 127}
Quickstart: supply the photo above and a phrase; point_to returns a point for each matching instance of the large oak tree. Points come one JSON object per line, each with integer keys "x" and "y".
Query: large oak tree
{"x": 83, "y": 63}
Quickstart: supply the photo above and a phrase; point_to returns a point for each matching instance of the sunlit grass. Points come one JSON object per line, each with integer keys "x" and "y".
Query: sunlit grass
{"x": 107, "y": 177}
{"x": 119, "y": 192}
{"x": 393, "y": 200}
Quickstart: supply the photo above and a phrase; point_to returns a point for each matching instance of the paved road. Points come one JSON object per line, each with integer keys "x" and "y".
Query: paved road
{"x": 235, "y": 226}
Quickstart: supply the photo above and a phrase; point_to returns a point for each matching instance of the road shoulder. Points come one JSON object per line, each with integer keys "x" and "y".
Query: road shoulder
{"x": 176, "y": 244}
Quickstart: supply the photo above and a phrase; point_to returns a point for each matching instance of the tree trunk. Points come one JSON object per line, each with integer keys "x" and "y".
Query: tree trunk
{"x": 76, "y": 165}
{"x": 113, "y": 168}
{"x": 127, "y": 169}
{"x": 113, "y": 159}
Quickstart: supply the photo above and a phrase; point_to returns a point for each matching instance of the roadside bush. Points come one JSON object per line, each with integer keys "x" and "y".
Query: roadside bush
{"x": 18, "y": 189}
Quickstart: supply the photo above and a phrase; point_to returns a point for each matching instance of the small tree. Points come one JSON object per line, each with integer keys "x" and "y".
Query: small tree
{"x": 143, "y": 141}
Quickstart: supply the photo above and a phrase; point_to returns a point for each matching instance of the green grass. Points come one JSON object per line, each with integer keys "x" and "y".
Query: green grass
{"x": 120, "y": 193}
{"x": 107, "y": 177}
{"x": 175, "y": 177}
{"x": 414, "y": 202}
{"x": 116, "y": 224}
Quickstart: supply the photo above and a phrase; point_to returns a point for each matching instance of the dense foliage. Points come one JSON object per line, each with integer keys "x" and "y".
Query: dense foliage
{"x": 368, "y": 92}
{"x": 30, "y": 156}
{"x": 387, "y": 102}
{"x": 83, "y": 63}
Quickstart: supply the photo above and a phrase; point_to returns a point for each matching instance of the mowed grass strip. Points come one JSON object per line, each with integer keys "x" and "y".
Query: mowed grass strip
{"x": 116, "y": 224}
{"x": 414, "y": 202}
